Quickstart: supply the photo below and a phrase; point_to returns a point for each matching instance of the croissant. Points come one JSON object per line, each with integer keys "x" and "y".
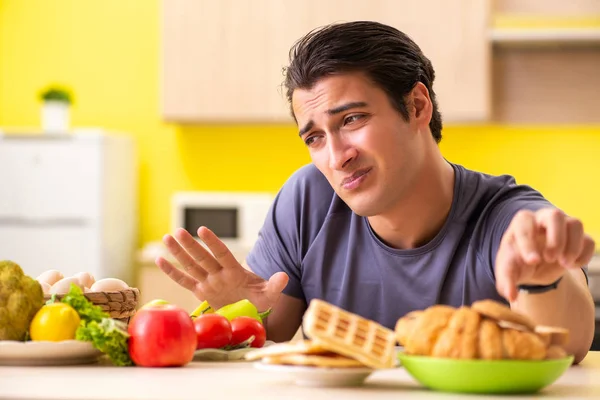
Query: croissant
{"x": 487, "y": 330}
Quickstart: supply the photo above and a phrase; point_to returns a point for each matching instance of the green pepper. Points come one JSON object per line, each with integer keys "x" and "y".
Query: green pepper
{"x": 242, "y": 308}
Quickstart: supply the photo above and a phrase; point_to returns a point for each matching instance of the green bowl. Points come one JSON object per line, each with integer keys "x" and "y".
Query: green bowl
{"x": 482, "y": 376}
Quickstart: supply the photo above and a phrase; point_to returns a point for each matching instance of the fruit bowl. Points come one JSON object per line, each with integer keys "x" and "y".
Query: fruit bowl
{"x": 483, "y": 376}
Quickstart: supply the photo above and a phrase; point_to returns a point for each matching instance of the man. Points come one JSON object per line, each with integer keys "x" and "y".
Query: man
{"x": 380, "y": 223}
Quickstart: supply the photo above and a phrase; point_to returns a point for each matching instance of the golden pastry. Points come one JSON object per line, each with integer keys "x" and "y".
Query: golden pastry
{"x": 490, "y": 340}
{"x": 406, "y": 325}
{"x": 427, "y": 328}
{"x": 459, "y": 338}
{"x": 500, "y": 312}
{"x": 487, "y": 330}
{"x": 555, "y": 352}
{"x": 553, "y": 335}
{"x": 522, "y": 345}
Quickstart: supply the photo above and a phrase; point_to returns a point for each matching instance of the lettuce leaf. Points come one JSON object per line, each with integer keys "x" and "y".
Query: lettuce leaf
{"x": 110, "y": 337}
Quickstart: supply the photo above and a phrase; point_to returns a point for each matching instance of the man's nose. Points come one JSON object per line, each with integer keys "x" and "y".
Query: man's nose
{"x": 341, "y": 153}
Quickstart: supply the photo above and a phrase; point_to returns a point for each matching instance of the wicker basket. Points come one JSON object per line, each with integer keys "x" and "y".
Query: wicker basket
{"x": 121, "y": 305}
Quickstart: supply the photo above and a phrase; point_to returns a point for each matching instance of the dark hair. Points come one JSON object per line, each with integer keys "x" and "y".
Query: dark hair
{"x": 387, "y": 56}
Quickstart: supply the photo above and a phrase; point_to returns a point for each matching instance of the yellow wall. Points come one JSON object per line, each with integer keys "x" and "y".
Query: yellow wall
{"x": 108, "y": 52}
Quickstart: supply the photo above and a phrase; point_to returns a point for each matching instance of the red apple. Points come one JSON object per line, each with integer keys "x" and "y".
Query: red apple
{"x": 161, "y": 336}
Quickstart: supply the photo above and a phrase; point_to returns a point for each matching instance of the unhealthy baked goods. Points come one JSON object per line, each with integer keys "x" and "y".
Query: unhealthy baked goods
{"x": 350, "y": 335}
{"x": 429, "y": 325}
{"x": 459, "y": 338}
{"x": 305, "y": 347}
{"x": 302, "y": 352}
{"x": 486, "y": 330}
{"x": 553, "y": 335}
{"x": 499, "y": 312}
{"x": 331, "y": 360}
{"x": 337, "y": 338}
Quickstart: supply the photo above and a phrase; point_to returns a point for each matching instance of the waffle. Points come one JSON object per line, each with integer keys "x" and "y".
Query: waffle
{"x": 287, "y": 348}
{"x": 350, "y": 335}
{"x": 313, "y": 360}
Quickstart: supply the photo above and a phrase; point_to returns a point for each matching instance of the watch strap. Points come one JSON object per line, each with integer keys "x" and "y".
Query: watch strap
{"x": 536, "y": 289}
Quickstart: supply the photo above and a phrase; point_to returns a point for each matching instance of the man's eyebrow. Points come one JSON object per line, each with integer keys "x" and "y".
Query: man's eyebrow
{"x": 345, "y": 107}
{"x": 306, "y": 128}
{"x": 333, "y": 111}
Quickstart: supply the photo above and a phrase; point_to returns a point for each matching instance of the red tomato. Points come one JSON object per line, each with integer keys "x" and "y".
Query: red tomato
{"x": 244, "y": 327}
{"x": 161, "y": 336}
{"x": 213, "y": 331}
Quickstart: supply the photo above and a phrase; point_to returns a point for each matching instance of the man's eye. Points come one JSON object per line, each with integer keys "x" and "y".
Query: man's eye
{"x": 309, "y": 140}
{"x": 352, "y": 118}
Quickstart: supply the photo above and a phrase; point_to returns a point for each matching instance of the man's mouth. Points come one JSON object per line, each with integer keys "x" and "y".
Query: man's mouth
{"x": 352, "y": 181}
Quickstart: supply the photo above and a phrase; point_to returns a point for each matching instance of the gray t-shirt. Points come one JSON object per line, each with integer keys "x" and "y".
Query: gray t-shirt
{"x": 330, "y": 253}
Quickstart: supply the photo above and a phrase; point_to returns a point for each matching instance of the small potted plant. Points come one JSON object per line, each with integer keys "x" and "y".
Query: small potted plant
{"x": 56, "y": 104}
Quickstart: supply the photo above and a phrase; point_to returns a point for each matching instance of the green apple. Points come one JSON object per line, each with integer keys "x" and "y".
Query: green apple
{"x": 156, "y": 302}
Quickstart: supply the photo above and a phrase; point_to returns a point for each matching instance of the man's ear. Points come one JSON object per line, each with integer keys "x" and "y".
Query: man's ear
{"x": 421, "y": 107}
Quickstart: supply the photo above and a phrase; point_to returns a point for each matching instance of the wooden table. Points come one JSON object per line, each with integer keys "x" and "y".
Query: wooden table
{"x": 241, "y": 381}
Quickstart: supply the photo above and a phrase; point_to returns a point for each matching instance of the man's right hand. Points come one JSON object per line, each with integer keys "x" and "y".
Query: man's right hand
{"x": 217, "y": 278}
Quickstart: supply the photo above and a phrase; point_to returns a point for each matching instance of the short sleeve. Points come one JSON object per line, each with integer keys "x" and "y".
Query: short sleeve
{"x": 277, "y": 246}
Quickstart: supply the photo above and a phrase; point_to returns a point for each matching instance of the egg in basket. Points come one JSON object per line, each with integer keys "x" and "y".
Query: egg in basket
{"x": 112, "y": 295}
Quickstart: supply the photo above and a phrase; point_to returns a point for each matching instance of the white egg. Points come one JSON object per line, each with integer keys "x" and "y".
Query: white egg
{"x": 45, "y": 287}
{"x": 50, "y": 277}
{"x": 64, "y": 285}
{"x": 85, "y": 279}
{"x": 109, "y": 285}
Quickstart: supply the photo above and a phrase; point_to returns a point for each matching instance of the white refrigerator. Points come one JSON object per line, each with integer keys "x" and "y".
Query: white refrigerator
{"x": 69, "y": 202}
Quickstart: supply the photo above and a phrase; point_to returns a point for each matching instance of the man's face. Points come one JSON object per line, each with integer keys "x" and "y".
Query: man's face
{"x": 360, "y": 143}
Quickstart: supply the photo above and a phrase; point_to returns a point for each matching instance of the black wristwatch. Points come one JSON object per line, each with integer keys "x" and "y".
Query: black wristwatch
{"x": 535, "y": 289}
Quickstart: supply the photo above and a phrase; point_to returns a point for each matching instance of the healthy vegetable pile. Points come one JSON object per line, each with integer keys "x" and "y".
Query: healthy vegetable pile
{"x": 158, "y": 335}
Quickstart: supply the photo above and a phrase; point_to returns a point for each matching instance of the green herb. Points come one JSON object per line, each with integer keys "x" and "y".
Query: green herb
{"x": 106, "y": 334}
{"x": 56, "y": 93}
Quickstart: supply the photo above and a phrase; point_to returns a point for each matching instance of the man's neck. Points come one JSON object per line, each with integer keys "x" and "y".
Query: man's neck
{"x": 410, "y": 224}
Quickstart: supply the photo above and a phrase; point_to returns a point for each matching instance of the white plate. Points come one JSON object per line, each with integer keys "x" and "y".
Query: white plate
{"x": 43, "y": 353}
{"x": 225, "y": 355}
{"x": 319, "y": 376}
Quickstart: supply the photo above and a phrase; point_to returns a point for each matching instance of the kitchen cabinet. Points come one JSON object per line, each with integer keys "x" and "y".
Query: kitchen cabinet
{"x": 222, "y": 60}
{"x": 69, "y": 202}
{"x": 546, "y": 58}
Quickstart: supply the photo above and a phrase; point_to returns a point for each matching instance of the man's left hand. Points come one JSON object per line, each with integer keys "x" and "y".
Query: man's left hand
{"x": 538, "y": 248}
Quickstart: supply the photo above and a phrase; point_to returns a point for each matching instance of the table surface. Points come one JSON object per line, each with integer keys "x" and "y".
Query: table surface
{"x": 242, "y": 381}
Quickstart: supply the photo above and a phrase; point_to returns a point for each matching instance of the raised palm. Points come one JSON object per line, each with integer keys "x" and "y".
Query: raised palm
{"x": 217, "y": 278}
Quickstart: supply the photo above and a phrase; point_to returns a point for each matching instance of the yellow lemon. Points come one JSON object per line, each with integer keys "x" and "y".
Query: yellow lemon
{"x": 54, "y": 322}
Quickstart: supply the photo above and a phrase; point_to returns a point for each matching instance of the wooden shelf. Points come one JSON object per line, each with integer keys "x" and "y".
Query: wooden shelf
{"x": 545, "y": 36}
